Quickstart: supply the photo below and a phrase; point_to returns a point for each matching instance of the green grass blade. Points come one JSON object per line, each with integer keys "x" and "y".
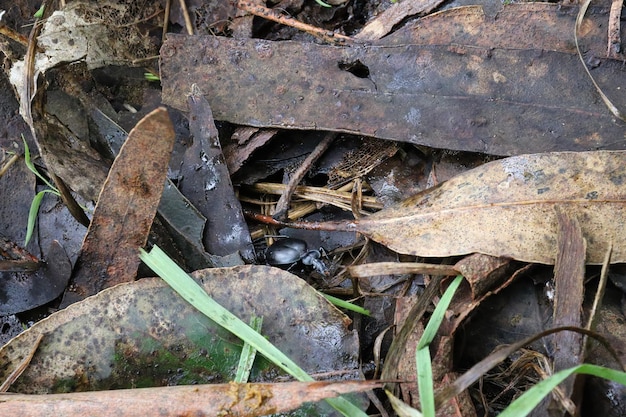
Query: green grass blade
{"x": 321, "y": 3}
{"x": 422, "y": 352}
{"x": 33, "y": 168}
{"x": 189, "y": 290}
{"x": 435, "y": 320}
{"x": 151, "y": 77}
{"x": 338, "y": 302}
{"x": 39, "y": 13}
{"x": 248, "y": 353}
{"x": 32, "y": 214}
{"x": 425, "y": 381}
{"x": 523, "y": 405}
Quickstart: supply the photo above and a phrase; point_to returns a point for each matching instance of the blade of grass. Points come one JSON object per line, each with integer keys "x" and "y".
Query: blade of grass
{"x": 33, "y": 169}
{"x": 321, "y": 3}
{"x": 248, "y": 353}
{"x": 189, "y": 290}
{"x": 32, "y": 214}
{"x": 523, "y": 405}
{"x": 437, "y": 317}
{"x": 347, "y": 305}
{"x": 422, "y": 353}
{"x": 425, "y": 385}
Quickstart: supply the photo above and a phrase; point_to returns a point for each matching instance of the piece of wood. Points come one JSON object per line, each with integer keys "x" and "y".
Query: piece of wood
{"x": 569, "y": 278}
{"x": 209, "y": 400}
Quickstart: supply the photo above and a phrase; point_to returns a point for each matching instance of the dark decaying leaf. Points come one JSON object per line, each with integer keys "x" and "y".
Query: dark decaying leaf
{"x": 206, "y": 183}
{"x": 25, "y": 283}
{"x": 21, "y": 291}
{"x": 458, "y": 80}
{"x": 143, "y": 334}
{"x": 507, "y": 208}
{"x": 125, "y": 210}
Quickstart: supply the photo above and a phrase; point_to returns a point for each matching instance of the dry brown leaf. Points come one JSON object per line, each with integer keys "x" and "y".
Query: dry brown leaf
{"x": 507, "y": 208}
{"x": 125, "y": 210}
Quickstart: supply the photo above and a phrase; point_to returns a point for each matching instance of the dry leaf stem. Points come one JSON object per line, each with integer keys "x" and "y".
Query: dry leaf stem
{"x": 337, "y": 198}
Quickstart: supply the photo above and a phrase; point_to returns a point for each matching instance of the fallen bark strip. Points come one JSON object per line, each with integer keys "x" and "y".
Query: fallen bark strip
{"x": 209, "y": 400}
{"x": 478, "y": 88}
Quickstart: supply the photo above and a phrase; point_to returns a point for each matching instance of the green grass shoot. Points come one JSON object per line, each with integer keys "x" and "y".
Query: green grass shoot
{"x": 248, "y": 354}
{"x": 189, "y": 290}
{"x": 39, "y": 13}
{"x": 151, "y": 77}
{"x": 422, "y": 352}
{"x": 524, "y": 404}
{"x": 36, "y": 203}
{"x": 338, "y": 302}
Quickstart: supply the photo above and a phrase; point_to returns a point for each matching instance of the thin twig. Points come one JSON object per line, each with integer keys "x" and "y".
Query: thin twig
{"x": 13, "y": 35}
{"x": 188, "y": 25}
{"x": 615, "y": 38}
{"x": 8, "y": 164}
{"x": 275, "y": 16}
{"x": 283, "y": 203}
{"x": 339, "y": 198}
{"x": 166, "y": 18}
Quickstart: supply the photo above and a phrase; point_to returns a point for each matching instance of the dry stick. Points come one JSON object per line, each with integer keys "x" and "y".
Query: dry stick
{"x": 11, "y": 34}
{"x": 569, "y": 277}
{"x": 283, "y": 202}
{"x": 275, "y": 16}
{"x": 27, "y": 94}
{"x": 19, "y": 259}
{"x": 338, "y": 226}
{"x": 9, "y": 163}
{"x": 579, "y": 21}
{"x": 166, "y": 18}
{"x": 340, "y": 197}
{"x": 614, "y": 39}
{"x": 597, "y": 301}
{"x": 188, "y": 25}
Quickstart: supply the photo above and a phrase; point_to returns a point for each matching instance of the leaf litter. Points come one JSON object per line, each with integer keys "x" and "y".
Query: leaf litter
{"x": 522, "y": 197}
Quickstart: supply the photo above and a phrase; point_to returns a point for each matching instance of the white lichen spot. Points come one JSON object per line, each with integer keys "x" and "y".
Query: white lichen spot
{"x": 212, "y": 178}
{"x": 235, "y": 234}
{"x": 414, "y": 116}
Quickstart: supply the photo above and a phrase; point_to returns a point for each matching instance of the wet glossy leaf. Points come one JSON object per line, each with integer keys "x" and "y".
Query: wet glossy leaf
{"x": 143, "y": 334}
{"x": 507, "y": 208}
